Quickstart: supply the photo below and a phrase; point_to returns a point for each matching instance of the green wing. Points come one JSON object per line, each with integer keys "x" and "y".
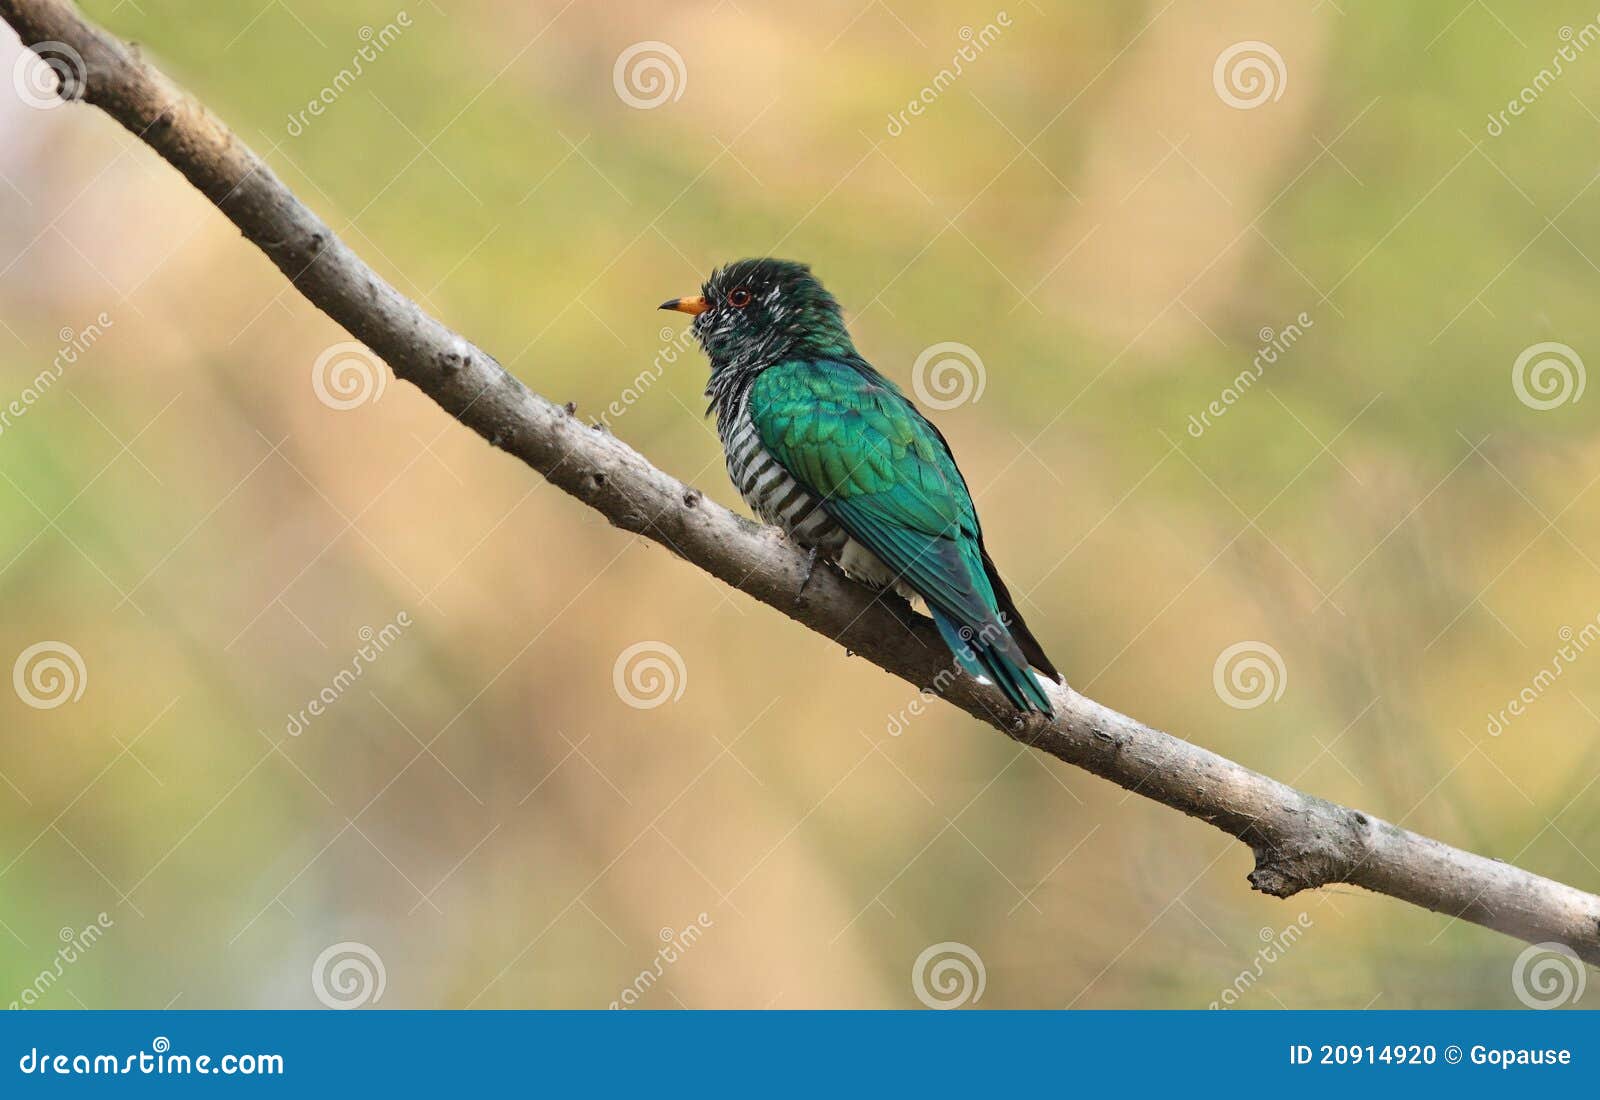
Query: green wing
{"x": 887, "y": 477}
{"x": 884, "y": 474}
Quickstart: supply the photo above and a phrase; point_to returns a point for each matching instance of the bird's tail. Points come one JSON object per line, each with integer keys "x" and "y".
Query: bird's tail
{"x": 991, "y": 653}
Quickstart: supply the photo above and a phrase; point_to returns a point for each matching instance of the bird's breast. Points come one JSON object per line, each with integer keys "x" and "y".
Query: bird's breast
{"x": 772, "y": 493}
{"x": 779, "y": 499}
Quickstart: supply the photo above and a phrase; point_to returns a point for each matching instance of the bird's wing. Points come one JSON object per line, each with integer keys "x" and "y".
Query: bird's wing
{"x": 883, "y": 474}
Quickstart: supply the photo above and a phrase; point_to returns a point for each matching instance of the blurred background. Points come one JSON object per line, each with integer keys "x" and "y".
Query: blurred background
{"x": 1269, "y": 382}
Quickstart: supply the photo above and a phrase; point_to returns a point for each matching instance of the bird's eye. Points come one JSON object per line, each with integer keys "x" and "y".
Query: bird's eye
{"x": 739, "y": 298}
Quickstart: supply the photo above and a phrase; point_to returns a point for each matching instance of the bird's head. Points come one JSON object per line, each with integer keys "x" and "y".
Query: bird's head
{"x": 754, "y": 313}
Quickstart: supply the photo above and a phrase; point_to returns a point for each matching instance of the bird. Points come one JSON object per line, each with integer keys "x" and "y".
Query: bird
{"x": 820, "y": 444}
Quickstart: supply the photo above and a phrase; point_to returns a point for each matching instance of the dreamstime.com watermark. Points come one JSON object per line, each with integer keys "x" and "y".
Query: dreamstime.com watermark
{"x": 1274, "y": 945}
{"x": 900, "y": 721}
{"x": 948, "y": 975}
{"x": 947, "y": 375}
{"x": 74, "y": 345}
{"x": 1549, "y": 375}
{"x": 1274, "y": 346}
{"x": 75, "y": 943}
{"x": 973, "y": 44}
{"x": 1548, "y": 975}
{"x": 47, "y": 675}
{"x": 373, "y": 45}
{"x": 677, "y": 342}
{"x": 347, "y": 375}
{"x": 676, "y": 943}
{"x": 48, "y": 75}
{"x": 649, "y": 74}
{"x": 1248, "y": 74}
{"x": 1574, "y": 644}
{"x": 1249, "y": 674}
{"x": 158, "y": 1061}
{"x": 374, "y": 644}
{"x": 1574, "y": 43}
{"x": 348, "y": 975}
{"x": 648, "y": 674}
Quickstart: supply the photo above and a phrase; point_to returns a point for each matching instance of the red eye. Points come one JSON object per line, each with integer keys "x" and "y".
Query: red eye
{"x": 739, "y": 298}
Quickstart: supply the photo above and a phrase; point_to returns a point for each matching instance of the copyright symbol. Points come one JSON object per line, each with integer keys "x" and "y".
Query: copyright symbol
{"x": 1452, "y": 1054}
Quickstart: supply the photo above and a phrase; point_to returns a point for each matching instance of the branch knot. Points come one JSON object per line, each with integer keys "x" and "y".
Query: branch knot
{"x": 1322, "y": 843}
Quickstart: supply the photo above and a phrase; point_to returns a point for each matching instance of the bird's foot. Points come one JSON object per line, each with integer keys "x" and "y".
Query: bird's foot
{"x": 811, "y": 567}
{"x": 904, "y": 610}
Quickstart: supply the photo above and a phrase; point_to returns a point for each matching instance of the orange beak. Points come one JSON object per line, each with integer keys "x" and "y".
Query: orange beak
{"x": 697, "y": 304}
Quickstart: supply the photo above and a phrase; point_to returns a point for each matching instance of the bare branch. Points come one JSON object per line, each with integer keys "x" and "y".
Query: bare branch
{"x": 1300, "y": 841}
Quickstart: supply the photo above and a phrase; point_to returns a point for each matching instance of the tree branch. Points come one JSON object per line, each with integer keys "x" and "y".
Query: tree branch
{"x": 1300, "y": 841}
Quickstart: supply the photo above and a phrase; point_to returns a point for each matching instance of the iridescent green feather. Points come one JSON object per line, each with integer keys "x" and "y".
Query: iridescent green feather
{"x": 887, "y": 477}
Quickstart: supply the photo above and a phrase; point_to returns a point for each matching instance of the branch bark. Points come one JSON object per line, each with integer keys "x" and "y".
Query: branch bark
{"x": 1300, "y": 841}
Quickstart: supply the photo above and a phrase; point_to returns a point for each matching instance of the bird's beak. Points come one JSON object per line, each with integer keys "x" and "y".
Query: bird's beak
{"x": 697, "y": 304}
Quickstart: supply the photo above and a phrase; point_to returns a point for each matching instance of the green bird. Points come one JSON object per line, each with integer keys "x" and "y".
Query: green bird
{"x": 822, "y": 445}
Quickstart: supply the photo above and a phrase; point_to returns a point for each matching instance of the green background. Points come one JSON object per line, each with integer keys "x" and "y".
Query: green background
{"x": 1082, "y": 209}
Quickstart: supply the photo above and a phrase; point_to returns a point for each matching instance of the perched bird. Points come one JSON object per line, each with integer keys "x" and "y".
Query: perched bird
{"x": 831, "y": 451}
